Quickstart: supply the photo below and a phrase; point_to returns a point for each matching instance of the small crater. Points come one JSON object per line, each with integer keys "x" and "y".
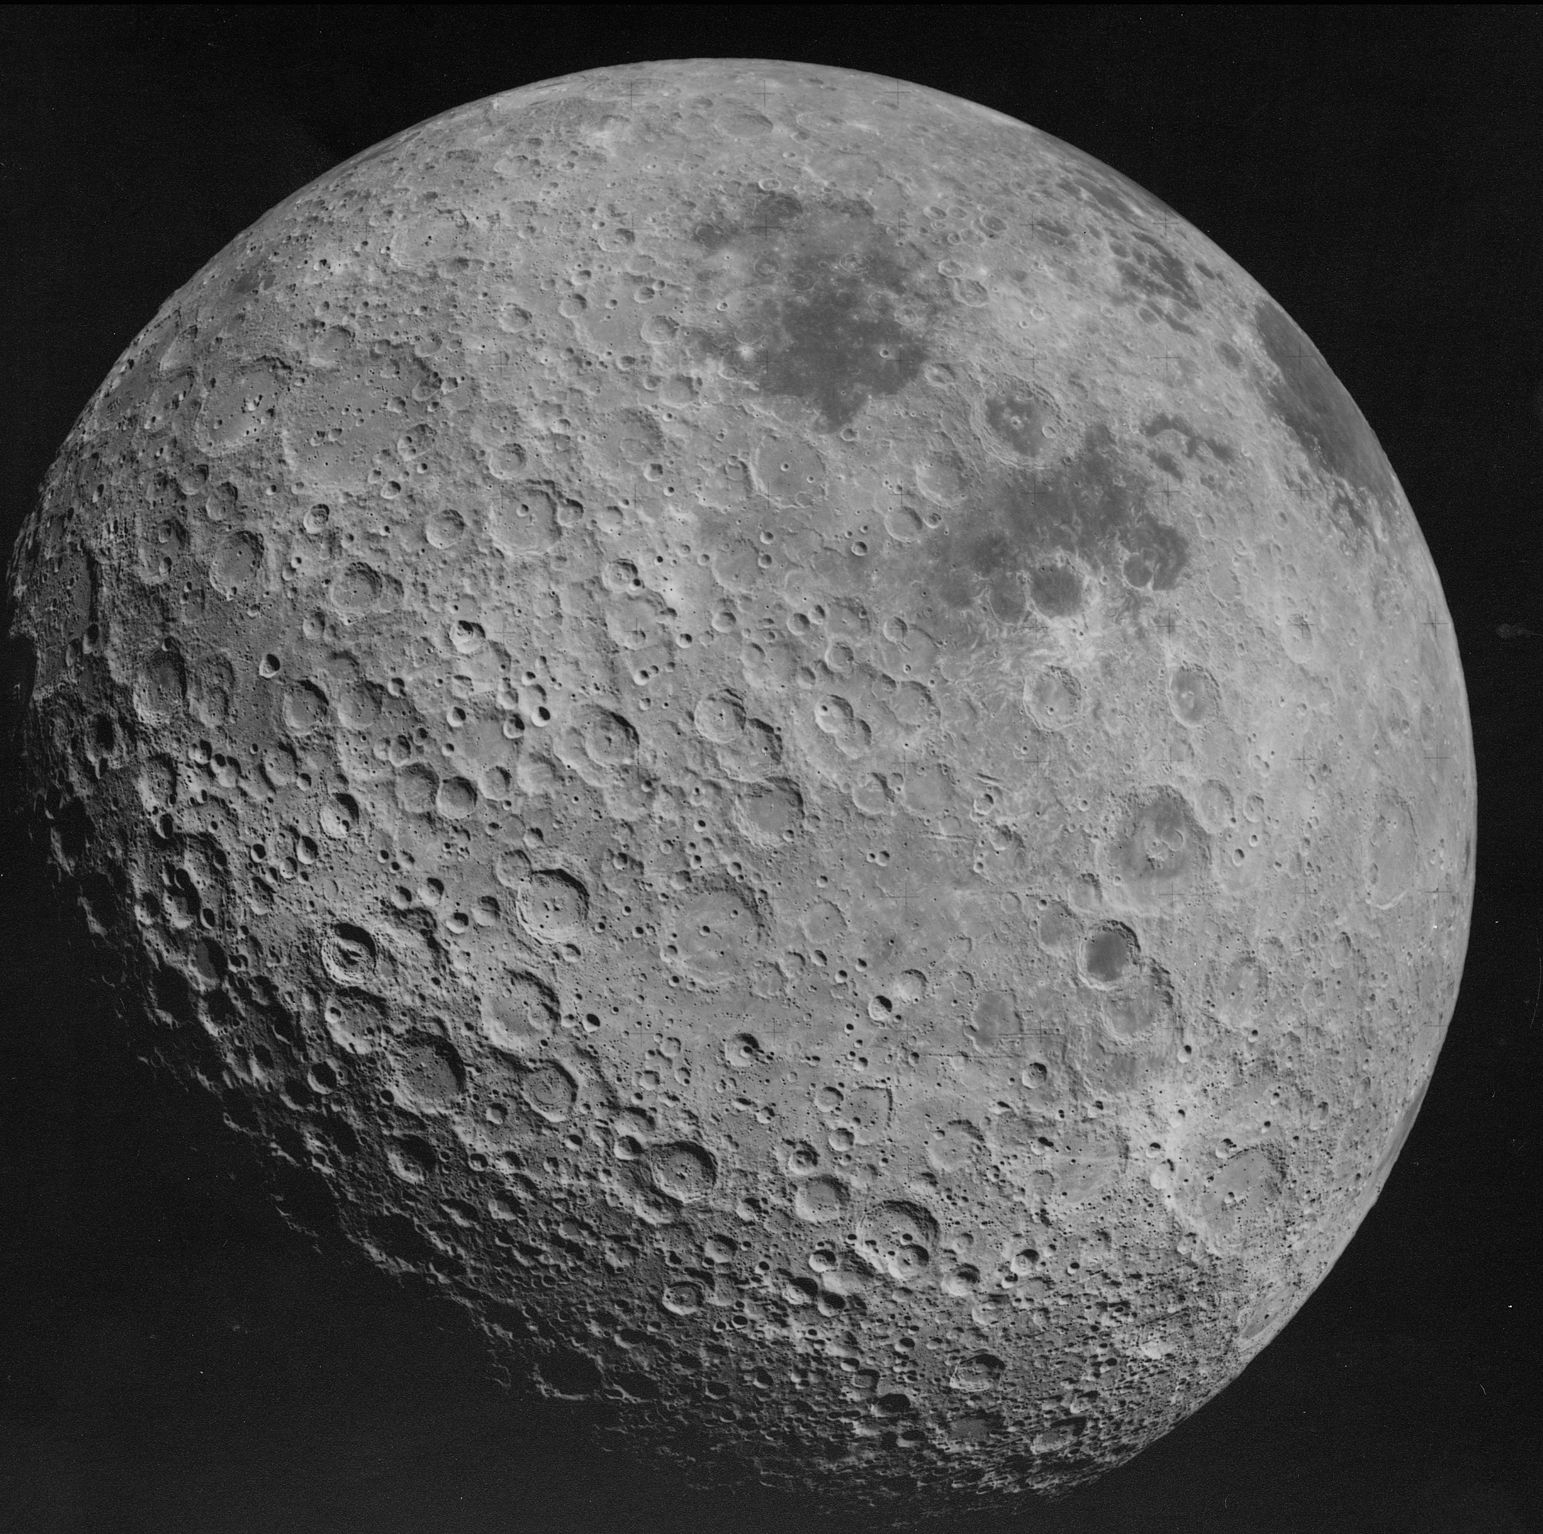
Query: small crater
{"x": 1214, "y": 805}
{"x": 339, "y": 817}
{"x": 865, "y": 1114}
{"x": 1240, "y": 991}
{"x": 620, "y": 576}
{"x": 1058, "y": 928}
{"x": 941, "y": 477}
{"x": 1239, "y": 1196}
{"x": 358, "y": 705}
{"x": 994, "y": 1021}
{"x": 1083, "y": 1160}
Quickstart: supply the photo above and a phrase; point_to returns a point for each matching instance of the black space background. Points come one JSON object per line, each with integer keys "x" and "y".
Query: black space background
{"x": 173, "y": 1360}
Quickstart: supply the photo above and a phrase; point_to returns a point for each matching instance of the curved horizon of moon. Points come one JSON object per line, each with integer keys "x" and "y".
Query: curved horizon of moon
{"x": 793, "y": 738}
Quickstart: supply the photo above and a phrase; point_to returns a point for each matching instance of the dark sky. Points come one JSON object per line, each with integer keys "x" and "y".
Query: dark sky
{"x": 172, "y": 1359}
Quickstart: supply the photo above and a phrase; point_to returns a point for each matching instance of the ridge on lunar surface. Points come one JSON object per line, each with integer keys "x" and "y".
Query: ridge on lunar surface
{"x": 795, "y": 741}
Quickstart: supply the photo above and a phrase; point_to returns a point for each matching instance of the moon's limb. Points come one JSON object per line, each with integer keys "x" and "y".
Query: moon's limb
{"x": 773, "y": 719}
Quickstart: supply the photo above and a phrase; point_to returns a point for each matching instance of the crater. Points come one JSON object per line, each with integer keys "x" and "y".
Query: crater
{"x": 356, "y": 1021}
{"x": 1157, "y": 852}
{"x": 348, "y": 952}
{"x": 1239, "y": 992}
{"x": 994, "y": 1022}
{"x": 1193, "y": 695}
{"x": 719, "y": 716}
{"x": 236, "y": 565}
{"x": 899, "y": 1238}
{"x": 715, "y": 934}
{"x": 1053, "y": 698}
{"x": 160, "y": 686}
{"x": 1109, "y": 954}
{"x": 770, "y": 814}
{"x": 1141, "y": 1012}
{"x": 821, "y": 1200}
{"x": 683, "y": 1171}
{"x": 427, "y": 1075}
{"x": 520, "y": 1014}
{"x": 554, "y": 906}
{"x": 609, "y": 739}
{"x": 550, "y": 1092}
{"x": 953, "y": 1146}
{"x": 752, "y": 754}
{"x": 1056, "y": 590}
{"x": 979, "y": 1372}
{"x": 1019, "y": 419}
{"x": 522, "y": 520}
{"x": 1239, "y": 1198}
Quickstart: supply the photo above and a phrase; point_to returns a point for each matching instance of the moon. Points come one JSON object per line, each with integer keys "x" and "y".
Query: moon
{"x": 788, "y": 736}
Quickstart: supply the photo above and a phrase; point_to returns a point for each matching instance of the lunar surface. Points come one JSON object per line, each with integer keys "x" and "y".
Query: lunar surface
{"x": 793, "y": 738}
